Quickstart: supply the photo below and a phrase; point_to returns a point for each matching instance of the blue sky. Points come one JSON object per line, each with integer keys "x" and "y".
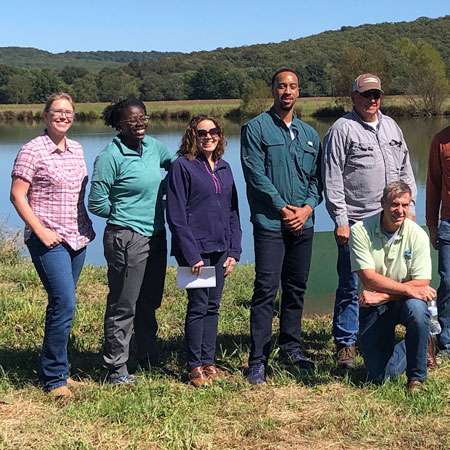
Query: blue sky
{"x": 190, "y": 26}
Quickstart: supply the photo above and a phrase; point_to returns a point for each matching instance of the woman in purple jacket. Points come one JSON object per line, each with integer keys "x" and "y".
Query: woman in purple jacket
{"x": 203, "y": 216}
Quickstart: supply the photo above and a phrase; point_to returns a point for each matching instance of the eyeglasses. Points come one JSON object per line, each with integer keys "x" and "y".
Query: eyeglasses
{"x": 60, "y": 112}
{"x": 135, "y": 120}
{"x": 213, "y": 132}
{"x": 376, "y": 95}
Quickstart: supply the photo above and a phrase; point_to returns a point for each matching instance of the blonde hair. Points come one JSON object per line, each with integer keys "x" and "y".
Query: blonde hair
{"x": 58, "y": 96}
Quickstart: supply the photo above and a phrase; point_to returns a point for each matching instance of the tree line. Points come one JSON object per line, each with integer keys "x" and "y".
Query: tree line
{"x": 326, "y": 63}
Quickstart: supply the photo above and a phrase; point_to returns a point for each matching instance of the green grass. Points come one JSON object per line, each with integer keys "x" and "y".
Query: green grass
{"x": 396, "y": 105}
{"x": 326, "y": 408}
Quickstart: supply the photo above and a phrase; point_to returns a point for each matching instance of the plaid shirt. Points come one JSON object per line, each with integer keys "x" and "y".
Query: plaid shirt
{"x": 57, "y": 187}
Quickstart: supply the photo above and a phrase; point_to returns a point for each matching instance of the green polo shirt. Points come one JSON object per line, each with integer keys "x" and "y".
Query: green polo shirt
{"x": 126, "y": 186}
{"x": 407, "y": 258}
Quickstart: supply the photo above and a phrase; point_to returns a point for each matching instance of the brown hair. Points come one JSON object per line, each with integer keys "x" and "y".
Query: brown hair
{"x": 189, "y": 143}
{"x": 57, "y": 96}
{"x": 396, "y": 189}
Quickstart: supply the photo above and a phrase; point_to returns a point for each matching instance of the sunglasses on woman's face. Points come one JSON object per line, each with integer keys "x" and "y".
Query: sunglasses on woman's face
{"x": 213, "y": 132}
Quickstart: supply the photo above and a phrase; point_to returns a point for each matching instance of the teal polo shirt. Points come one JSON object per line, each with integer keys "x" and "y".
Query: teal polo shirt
{"x": 126, "y": 186}
{"x": 407, "y": 258}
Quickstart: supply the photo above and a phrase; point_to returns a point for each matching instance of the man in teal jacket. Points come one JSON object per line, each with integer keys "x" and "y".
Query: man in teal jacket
{"x": 280, "y": 159}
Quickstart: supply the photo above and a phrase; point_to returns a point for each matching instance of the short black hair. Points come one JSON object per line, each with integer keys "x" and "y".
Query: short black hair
{"x": 113, "y": 113}
{"x": 284, "y": 69}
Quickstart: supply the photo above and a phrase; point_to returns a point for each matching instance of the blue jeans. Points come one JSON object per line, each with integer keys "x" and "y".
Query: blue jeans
{"x": 384, "y": 359}
{"x": 202, "y": 316}
{"x": 59, "y": 269}
{"x": 345, "y": 318}
{"x": 278, "y": 255}
{"x": 443, "y": 293}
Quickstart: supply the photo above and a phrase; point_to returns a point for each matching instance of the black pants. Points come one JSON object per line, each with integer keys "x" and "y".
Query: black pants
{"x": 202, "y": 316}
{"x": 279, "y": 255}
{"x": 136, "y": 273}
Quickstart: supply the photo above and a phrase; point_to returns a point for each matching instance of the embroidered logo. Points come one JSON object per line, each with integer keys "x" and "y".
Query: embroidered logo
{"x": 408, "y": 254}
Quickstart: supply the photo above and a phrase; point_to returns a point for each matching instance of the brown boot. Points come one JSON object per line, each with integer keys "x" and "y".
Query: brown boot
{"x": 198, "y": 378}
{"x": 431, "y": 355}
{"x": 212, "y": 372}
{"x": 71, "y": 383}
{"x": 61, "y": 393}
{"x": 346, "y": 355}
{"x": 414, "y": 385}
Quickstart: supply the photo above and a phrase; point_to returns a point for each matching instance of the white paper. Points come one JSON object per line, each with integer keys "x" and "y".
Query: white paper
{"x": 206, "y": 279}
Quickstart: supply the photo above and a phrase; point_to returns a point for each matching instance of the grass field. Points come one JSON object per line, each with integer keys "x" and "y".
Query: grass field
{"x": 324, "y": 409}
{"x": 183, "y": 109}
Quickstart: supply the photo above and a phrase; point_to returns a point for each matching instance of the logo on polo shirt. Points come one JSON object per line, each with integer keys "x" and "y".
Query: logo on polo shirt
{"x": 407, "y": 254}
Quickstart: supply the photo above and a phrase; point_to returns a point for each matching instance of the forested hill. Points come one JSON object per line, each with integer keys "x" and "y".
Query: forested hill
{"x": 32, "y": 57}
{"x": 326, "y": 62}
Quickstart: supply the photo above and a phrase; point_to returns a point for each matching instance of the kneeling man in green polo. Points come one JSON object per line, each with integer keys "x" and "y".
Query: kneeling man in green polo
{"x": 391, "y": 255}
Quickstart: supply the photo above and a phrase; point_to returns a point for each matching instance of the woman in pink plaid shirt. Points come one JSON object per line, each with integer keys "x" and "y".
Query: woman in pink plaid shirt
{"x": 48, "y": 185}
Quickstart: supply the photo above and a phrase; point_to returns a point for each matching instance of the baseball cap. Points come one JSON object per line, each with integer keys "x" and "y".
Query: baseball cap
{"x": 366, "y": 82}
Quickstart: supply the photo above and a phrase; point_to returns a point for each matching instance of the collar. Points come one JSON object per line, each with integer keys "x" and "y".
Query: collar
{"x": 126, "y": 150}
{"x": 217, "y": 165}
{"x": 280, "y": 121}
{"x": 51, "y": 146}
{"x": 380, "y": 232}
{"x": 364, "y": 124}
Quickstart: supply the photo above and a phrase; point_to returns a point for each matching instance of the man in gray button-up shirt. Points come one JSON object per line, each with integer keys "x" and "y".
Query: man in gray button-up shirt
{"x": 362, "y": 152}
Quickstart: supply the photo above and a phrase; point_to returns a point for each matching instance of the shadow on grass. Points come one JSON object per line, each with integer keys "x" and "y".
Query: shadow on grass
{"x": 21, "y": 366}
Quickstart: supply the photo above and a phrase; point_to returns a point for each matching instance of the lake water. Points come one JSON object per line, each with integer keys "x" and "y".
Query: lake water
{"x": 94, "y": 136}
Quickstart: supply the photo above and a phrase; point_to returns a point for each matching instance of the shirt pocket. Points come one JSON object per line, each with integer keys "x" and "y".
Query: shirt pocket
{"x": 308, "y": 158}
{"x": 361, "y": 155}
{"x": 274, "y": 153}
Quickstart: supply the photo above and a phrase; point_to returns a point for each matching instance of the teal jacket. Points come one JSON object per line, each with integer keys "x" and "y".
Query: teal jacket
{"x": 126, "y": 186}
{"x": 280, "y": 171}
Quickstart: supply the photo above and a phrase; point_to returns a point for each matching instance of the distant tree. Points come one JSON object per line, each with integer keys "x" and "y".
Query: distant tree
{"x": 84, "y": 89}
{"x": 424, "y": 75}
{"x": 17, "y": 89}
{"x": 70, "y": 73}
{"x": 255, "y": 98}
{"x": 355, "y": 61}
{"x": 115, "y": 85}
{"x": 44, "y": 83}
{"x": 206, "y": 83}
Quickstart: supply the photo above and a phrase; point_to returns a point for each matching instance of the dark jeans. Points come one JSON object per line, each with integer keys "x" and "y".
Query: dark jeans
{"x": 278, "y": 255}
{"x": 136, "y": 273}
{"x": 59, "y": 269}
{"x": 443, "y": 294}
{"x": 384, "y": 359}
{"x": 345, "y": 318}
{"x": 202, "y": 316}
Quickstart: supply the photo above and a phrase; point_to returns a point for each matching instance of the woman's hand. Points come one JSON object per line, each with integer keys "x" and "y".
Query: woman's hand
{"x": 49, "y": 238}
{"x": 229, "y": 264}
{"x": 197, "y": 268}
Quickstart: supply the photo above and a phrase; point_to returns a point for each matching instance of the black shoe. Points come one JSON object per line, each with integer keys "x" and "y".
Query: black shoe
{"x": 257, "y": 373}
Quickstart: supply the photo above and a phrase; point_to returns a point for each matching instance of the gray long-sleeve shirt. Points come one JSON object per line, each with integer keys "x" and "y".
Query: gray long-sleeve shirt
{"x": 358, "y": 162}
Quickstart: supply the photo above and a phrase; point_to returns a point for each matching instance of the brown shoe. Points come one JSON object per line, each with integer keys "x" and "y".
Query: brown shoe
{"x": 212, "y": 372}
{"x": 74, "y": 383}
{"x": 346, "y": 355}
{"x": 414, "y": 385}
{"x": 198, "y": 378}
{"x": 431, "y": 354}
{"x": 61, "y": 392}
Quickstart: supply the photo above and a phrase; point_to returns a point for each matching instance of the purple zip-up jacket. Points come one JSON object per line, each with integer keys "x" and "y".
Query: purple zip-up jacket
{"x": 202, "y": 209}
